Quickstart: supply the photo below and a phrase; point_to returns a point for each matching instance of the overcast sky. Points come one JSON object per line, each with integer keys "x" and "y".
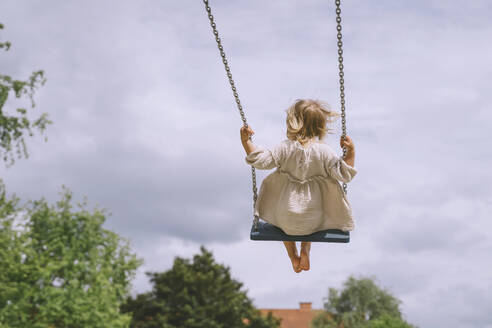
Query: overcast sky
{"x": 145, "y": 125}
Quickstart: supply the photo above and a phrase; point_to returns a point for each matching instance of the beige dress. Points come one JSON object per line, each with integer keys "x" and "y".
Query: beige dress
{"x": 303, "y": 195}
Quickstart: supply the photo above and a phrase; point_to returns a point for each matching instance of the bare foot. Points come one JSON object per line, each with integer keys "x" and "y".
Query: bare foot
{"x": 295, "y": 263}
{"x": 304, "y": 261}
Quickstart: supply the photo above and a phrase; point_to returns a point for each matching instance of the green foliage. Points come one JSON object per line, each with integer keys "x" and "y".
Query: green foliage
{"x": 14, "y": 126}
{"x": 386, "y": 321}
{"x": 360, "y": 304}
{"x": 5, "y": 44}
{"x": 60, "y": 268}
{"x": 195, "y": 294}
{"x": 323, "y": 320}
{"x": 360, "y": 301}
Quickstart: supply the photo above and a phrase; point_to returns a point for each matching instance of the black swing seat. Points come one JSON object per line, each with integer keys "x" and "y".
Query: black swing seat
{"x": 267, "y": 231}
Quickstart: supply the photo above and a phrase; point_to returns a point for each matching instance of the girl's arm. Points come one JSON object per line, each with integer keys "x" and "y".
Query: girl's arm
{"x": 342, "y": 169}
{"x": 248, "y": 145}
{"x": 257, "y": 156}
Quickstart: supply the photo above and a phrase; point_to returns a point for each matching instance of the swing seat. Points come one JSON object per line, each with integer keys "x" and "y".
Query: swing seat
{"x": 267, "y": 231}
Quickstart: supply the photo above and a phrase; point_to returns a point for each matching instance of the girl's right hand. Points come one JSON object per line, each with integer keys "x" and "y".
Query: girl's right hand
{"x": 246, "y": 133}
{"x": 348, "y": 143}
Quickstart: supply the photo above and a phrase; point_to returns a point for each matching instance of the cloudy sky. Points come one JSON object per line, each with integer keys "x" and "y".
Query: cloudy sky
{"x": 146, "y": 126}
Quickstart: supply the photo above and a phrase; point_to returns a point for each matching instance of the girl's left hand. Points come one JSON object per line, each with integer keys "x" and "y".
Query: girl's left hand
{"x": 348, "y": 143}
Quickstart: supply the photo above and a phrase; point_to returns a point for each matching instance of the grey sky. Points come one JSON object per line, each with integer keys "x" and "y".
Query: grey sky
{"x": 145, "y": 126}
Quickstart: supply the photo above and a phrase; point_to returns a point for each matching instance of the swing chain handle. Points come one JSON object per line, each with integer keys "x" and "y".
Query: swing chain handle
{"x": 236, "y": 97}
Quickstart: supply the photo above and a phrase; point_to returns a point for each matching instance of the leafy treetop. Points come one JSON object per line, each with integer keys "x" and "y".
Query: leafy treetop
{"x": 360, "y": 304}
{"x": 197, "y": 294}
{"x": 15, "y": 126}
{"x": 61, "y": 268}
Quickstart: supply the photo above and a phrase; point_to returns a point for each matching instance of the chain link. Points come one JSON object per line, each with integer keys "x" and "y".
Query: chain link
{"x": 236, "y": 97}
{"x": 341, "y": 76}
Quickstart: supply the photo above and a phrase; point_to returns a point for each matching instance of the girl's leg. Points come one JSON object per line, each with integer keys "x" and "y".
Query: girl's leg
{"x": 291, "y": 248}
{"x": 304, "y": 260}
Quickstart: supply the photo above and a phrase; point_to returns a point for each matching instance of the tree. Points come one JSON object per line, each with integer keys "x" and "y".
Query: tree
{"x": 60, "y": 268}
{"x": 195, "y": 294}
{"x": 14, "y": 126}
{"x": 360, "y": 304}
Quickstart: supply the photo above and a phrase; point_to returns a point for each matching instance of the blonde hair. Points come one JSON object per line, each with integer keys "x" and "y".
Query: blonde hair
{"x": 308, "y": 118}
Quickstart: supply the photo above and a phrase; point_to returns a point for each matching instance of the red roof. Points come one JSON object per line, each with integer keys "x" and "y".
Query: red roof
{"x": 294, "y": 318}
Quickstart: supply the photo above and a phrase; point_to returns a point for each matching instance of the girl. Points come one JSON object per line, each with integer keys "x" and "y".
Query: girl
{"x": 304, "y": 194}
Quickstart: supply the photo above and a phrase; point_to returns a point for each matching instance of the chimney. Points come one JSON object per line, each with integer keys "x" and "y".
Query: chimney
{"x": 305, "y": 306}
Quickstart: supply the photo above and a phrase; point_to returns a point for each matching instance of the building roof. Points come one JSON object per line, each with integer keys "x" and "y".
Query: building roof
{"x": 294, "y": 318}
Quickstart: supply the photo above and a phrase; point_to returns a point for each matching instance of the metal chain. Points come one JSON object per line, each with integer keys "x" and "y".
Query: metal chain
{"x": 236, "y": 96}
{"x": 341, "y": 75}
